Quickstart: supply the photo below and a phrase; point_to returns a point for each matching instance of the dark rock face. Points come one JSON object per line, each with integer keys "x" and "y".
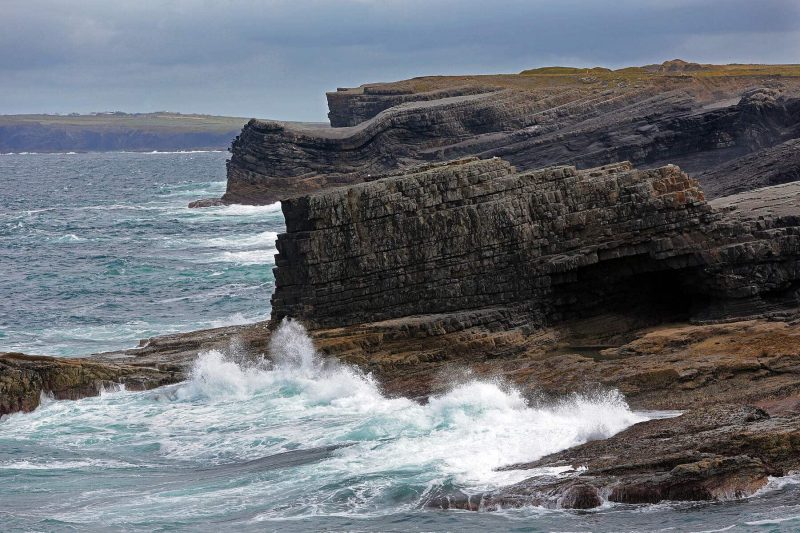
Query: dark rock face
{"x": 271, "y": 161}
{"x": 556, "y": 244}
{"x": 770, "y": 166}
{"x": 649, "y": 126}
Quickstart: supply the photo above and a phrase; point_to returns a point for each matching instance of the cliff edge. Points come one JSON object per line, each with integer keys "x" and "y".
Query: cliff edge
{"x": 701, "y": 118}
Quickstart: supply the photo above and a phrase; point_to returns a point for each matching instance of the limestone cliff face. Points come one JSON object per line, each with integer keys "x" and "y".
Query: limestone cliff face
{"x": 557, "y": 243}
{"x": 586, "y": 127}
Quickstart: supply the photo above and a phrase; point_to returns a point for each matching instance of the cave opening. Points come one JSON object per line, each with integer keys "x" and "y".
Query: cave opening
{"x": 618, "y": 296}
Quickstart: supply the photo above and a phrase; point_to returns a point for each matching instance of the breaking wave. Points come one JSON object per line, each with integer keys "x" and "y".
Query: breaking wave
{"x": 463, "y": 435}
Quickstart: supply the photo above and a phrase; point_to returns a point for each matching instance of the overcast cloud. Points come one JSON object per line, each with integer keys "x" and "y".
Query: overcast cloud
{"x": 276, "y": 58}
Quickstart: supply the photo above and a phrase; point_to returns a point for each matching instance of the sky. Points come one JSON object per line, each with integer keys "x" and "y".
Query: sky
{"x": 275, "y": 58}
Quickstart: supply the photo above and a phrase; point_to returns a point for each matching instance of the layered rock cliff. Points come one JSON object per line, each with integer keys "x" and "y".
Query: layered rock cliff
{"x": 699, "y": 119}
{"x": 558, "y": 243}
{"x": 555, "y": 279}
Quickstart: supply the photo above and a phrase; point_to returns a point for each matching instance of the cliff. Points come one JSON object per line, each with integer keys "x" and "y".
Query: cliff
{"x": 560, "y": 279}
{"x": 558, "y": 243}
{"x": 699, "y": 118}
{"x": 556, "y": 281}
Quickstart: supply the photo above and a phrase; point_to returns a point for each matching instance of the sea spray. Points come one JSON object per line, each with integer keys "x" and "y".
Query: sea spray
{"x": 462, "y": 436}
{"x": 212, "y": 445}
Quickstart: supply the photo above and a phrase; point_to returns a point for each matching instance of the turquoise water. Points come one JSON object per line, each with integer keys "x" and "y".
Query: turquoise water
{"x": 98, "y": 251}
{"x": 296, "y": 444}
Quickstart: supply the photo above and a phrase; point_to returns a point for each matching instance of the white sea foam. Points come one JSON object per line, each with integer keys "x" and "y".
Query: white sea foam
{"x": 64, "y": 465}
{"x": 247, "y": 257}
{"x": 242, "y": 210}
{"x": 265, "y": 239}
{"x": 773, "y": 521}
{"x": 779, "y": 483}
{"x": 236, "y": 319}
{"x": 69, "y": 238}
{"x": 464, "y": 434}
{"x": 234, "y": 409}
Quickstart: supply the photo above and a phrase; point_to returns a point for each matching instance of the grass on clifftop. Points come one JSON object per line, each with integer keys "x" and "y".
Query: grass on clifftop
{"x": 668, "y": 74}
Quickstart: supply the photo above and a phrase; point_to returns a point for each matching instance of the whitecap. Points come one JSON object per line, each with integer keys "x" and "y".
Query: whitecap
{"x": 69, "y": 238}
{"x": 64, "y": 465}
{"x": 264, "y": 240}
{"x": 466, "y": 433}
{"x": 772, "y": 521}
{"x": 246, "y": 257}
{"x": 243, "y": 210}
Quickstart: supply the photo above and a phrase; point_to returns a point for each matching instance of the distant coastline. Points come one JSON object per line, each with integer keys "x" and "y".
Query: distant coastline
{"x": 105, "y": 132}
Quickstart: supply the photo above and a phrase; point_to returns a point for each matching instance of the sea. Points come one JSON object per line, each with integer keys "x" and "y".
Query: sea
{"x": 99, "y": 250}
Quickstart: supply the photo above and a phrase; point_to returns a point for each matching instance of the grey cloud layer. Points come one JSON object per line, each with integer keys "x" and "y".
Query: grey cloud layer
{"x": 276, "y": 58}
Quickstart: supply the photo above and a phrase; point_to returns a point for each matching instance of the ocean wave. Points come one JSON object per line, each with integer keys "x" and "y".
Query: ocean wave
{"x": 383, "y": 454}
{"x": 246, "y": 257}
{"x": 200, "y": 188}
{"x": 466, "y": 433}
{"x": 69, "y": 238}
{"x": 263, "y": 240}
{"x": 773, "y": 521}
{"x": 237, "y": 319}
{"x": 80, "y": 464}
{"x": 243, "y": 210}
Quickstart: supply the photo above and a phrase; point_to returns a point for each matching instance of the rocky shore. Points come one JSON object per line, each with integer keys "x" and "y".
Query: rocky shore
{"x": 592, "y": 276}
{"x": 697, "y": 312}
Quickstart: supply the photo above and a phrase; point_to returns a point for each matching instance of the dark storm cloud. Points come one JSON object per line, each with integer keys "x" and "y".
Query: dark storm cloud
{"x": 276, "y": 58}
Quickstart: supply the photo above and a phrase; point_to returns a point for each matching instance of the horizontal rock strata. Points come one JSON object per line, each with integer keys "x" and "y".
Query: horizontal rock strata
{"x": 558, "y": 243}
{"x": 697, "y": 121}
{"x": 25, "y": 379}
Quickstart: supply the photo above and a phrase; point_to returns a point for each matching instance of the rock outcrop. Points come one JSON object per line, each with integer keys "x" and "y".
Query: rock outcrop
{"x": 25, "y": 379}
{"x": 697, "y": 118}
{"x": 719, "y": 453}
{"x": 554, "y": 244}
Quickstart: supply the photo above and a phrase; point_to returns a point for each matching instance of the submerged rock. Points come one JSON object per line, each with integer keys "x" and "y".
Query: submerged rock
{"x": 208, "y": 202}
